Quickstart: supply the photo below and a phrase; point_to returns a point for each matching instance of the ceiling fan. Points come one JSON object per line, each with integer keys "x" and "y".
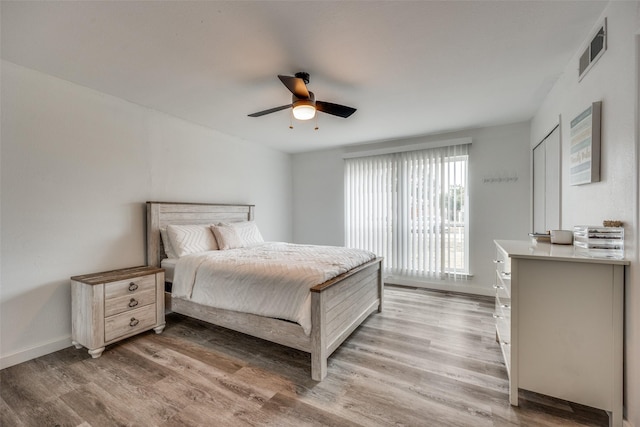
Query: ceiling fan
{"x": 303, "y": 102}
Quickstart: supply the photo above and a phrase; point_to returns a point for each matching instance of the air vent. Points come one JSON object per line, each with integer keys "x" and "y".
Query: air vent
{"x": 594, "y": 50}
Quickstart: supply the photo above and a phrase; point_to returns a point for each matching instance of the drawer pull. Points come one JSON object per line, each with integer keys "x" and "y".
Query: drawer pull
{"x": 134, "y": 322}
{"x": 498, "y": 261}
{"x": 505, "y": 343}
{"x": 505, "y": 274}
{"x": 132, "y": 287}
{"x": 133, "y": 302}
{"x": 496, "y": 316}
{"x": 498, "y": 287}
{"x": 505, "y": 306}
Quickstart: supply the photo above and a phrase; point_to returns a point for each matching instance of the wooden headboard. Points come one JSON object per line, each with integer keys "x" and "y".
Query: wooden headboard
{"x": 161, "y": 214}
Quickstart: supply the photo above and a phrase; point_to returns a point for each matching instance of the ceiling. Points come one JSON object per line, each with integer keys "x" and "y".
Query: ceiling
{"x": 410, "y": 68}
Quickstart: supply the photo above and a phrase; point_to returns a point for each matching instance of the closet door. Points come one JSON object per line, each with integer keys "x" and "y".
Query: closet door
{"x": 546, "y": 183}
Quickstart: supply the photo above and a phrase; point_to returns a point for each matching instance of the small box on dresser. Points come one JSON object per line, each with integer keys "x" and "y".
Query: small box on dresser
{"x": 113, "y": 305}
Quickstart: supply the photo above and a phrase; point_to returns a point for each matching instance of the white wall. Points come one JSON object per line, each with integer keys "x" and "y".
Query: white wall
{"x": 77, "y": 167}
{"x": 498, "y": 210}
{"x": 318, "y": 194}
{"x": 613, "y": 80}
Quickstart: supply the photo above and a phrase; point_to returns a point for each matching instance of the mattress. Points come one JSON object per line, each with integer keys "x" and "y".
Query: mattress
{"x": 169, "y": 265}
{"x": 268, "y": 279}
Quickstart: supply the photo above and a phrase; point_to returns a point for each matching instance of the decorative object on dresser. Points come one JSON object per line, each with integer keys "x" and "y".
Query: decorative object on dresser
{"x": 336, "y": 307}
{"x": 559, "y": 322}
{"x": 599, "y": 242}
{"x": 561, "y": 237}
{"x": 109, "y": 306}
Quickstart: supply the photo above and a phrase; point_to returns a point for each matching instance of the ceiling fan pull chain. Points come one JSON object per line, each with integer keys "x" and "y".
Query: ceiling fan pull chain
{"x": 316, "y": 128}
{"x": 291, "y": 120}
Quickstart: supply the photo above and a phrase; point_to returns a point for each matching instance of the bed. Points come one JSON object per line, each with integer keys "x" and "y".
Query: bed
{"x": 337, "y": 306}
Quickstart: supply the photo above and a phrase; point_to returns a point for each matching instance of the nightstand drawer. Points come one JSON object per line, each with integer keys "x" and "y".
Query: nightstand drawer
{"x": 124, "y": 303}
{"x": 131, "y": 286}
{"x": 129, "y": 323}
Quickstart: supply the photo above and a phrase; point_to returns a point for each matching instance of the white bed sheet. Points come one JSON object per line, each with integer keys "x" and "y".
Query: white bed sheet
{"x": 169, "y": 265}
{"x": 268, "y": 279}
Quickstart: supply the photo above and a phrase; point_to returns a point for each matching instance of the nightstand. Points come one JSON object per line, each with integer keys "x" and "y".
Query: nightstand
{"x": 113, "y": 305}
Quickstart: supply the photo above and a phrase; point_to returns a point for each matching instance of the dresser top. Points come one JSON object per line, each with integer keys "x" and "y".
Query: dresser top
{"x": 115, "y": 275}
{"x": 551, "y": 252}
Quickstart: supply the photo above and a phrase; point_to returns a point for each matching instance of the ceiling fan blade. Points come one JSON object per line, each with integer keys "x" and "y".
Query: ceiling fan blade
{"x": 271, "y": 110}
{"x": 295, "y": 85}
{"x": 334, "y": 109}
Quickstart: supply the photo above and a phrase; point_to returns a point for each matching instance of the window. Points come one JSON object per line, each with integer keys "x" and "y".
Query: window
{"x": 412, "y": 209}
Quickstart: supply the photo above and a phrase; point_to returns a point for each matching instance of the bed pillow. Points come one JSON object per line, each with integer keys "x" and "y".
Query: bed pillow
{"x": 227, "y": 237}
{"x": 190, "y": 239}
{"x": 233, "y": 235}
{"x": 248, "y": 232}
{"x": 166, "y": 243}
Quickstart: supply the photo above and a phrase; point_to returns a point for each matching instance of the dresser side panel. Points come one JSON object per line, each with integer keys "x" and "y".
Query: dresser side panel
{"x": 87, "y": 308}
{"x": 160, "y": 299}
{"x": 565, "y": 330}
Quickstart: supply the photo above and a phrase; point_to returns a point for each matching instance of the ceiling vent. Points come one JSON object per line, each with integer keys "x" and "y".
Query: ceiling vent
{"x": 594, "y": 50}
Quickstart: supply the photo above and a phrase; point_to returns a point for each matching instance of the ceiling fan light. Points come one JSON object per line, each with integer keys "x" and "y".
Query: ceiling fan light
{"x": 304, "y": 110}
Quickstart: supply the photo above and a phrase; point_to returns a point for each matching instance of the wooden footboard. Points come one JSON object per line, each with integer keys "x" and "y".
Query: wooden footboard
{"x": 338, "y": 307}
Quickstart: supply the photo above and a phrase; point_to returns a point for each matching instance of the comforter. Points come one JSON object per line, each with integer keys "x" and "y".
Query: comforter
{"x": 268, "y": 279}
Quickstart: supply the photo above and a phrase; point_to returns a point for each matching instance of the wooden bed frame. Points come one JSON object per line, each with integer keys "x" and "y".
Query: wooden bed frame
{"x": 338, "y": 306}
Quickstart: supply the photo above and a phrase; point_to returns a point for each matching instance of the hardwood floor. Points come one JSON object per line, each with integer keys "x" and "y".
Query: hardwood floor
{"x": 430, "y": 359}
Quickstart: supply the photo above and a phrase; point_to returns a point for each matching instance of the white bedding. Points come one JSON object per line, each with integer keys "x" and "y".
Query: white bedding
{"x": 169, "y": 265}
{"x": 269, "y": 279}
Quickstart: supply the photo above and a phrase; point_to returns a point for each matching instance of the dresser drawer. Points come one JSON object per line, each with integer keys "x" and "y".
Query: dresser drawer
{"x": 503, "y": 307}
{"x": 505, "y": 346}
{"x": 503, "y": 319}
{"x": 131, "y": 286}
{"x": 502, "y": 261}
{"x": 130, "y": 302}
{"x": 503, "y": 284}
{"x": 129, "y": 323}
{"x": 503, "y": 288}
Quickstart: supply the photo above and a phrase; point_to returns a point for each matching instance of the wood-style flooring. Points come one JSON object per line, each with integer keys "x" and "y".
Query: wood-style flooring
{"x": 430, "y": 359}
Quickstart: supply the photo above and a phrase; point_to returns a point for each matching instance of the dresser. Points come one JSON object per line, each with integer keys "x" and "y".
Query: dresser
{"x": 109, "y": 306}
{"x": 559, "y": 322}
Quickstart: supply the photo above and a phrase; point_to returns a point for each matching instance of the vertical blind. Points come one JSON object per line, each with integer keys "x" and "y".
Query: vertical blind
{"x": 411, "y": 208}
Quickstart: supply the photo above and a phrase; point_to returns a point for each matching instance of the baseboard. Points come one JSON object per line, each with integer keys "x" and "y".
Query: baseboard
{"x": 463, "y": 288}
{"x": 33, "y": 352}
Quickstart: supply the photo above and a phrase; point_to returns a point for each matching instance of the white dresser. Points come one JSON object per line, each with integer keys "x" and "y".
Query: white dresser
{"x": 559, "y": 321}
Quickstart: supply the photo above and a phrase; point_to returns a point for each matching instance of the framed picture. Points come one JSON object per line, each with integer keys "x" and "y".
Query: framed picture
{"x": 585, "y": 146}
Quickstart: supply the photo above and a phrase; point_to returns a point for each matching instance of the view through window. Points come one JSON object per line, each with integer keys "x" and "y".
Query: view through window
{"x": 411, "y": 208}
